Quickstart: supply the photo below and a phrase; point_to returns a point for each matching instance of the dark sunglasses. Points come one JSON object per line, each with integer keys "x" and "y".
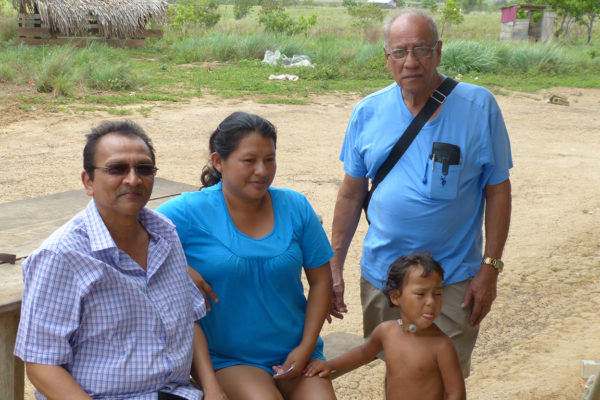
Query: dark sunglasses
{"x": 122, "y": 169}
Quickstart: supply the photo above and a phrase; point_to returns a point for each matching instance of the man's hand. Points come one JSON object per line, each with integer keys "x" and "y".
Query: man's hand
{"x": 337, "y": 306}
{"x": 204, "y": 287}
{"x": 482, "y": 292}
{"x": 346, "y": 215}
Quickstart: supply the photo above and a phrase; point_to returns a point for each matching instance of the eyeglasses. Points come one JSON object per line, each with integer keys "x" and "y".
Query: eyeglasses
{"x": 420, "y": 53}
{"x": 122, "y": 169}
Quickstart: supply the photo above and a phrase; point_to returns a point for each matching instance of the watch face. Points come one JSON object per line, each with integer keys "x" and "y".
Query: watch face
{"x": 494, "y": 262}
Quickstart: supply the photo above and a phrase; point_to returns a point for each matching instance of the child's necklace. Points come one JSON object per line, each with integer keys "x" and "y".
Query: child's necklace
{"x": 412, "y": 328}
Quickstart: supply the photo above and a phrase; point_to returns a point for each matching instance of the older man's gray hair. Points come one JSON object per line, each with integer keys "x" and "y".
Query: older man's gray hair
{"x": 419, "y": 13}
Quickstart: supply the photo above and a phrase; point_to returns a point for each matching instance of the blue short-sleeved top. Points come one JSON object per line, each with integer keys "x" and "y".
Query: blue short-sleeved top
{"x": 260, "y": 315}
{"x": 419, "y": 207}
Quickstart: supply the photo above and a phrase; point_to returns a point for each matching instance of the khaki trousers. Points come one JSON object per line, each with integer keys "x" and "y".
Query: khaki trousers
{"x": 453, "y": 321}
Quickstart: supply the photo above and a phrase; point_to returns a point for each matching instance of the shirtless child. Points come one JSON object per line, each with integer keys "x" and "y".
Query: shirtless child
{"x": 421, "y": 362}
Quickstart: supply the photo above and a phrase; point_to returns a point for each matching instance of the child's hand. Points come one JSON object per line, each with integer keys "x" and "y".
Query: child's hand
{"x": 316, "y": 366}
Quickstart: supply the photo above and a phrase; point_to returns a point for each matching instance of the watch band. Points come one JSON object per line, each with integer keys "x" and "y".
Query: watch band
{"x": 497, "y": 263}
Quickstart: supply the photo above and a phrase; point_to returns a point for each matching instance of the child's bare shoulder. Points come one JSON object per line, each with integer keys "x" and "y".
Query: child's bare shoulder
{"x": 439, "y": 338}
{"x": 386, "y": 328}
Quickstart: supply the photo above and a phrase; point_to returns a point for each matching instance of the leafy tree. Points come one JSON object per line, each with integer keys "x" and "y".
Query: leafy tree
{"x": 366, "y": 15}
{"x": 187, "y": 13}
{"x": 583, "y": 12}
{"x": 268, "y": 6}
{"x": 281, "y": 22}
{"x": 241, "y": 8}
{"x": 451, "y": 14}
{"x": 469, "y": 5}
{"x": 431, "y": 5}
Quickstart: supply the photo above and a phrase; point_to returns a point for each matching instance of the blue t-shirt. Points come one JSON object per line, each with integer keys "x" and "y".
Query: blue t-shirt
{"x": 420, "y": 207}
{"x": 260, "y": 315}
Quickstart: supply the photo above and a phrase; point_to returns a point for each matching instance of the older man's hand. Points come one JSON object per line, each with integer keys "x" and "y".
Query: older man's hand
{"x": 482, "y": 292}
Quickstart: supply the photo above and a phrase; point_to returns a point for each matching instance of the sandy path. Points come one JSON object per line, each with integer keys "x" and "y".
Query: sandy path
{"x": 545, "y": 320}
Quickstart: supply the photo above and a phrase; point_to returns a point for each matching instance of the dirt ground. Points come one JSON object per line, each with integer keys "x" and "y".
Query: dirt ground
{"x": 546, "y": 318}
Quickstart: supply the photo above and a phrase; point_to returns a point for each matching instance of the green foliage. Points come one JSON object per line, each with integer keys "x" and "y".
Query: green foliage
{"x": 227, "y": 61}
{"x": 584, "y": 12}
{"x": 56, "y": 73}
{"x": 281, "y": 22}
{"x": 242, "y": 7}
{"x": 462, "y": 57}
{"x": 451, "y": 14}
{"x": 269, "y": 6}
{"x": 366, "y": 15}
{"x": 8, "y": 21}
{"x": 349, "y": 3}
{"x": 189, "y": 13}
{"x": 7, "y": 9}
{"x": 431, "y": 5}
{"x": 7, "y": 73}
{"x": 8, "y": 28}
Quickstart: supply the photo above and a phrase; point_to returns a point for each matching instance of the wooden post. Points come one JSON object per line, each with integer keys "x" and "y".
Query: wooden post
{"x": 12, "y": 383}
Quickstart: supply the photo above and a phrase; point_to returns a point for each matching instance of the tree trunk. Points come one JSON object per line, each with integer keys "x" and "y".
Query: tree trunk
{"x": 590, "y": 26}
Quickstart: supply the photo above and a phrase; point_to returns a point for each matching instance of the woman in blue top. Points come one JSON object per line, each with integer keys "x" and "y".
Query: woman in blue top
{"x": 250, "y": 242}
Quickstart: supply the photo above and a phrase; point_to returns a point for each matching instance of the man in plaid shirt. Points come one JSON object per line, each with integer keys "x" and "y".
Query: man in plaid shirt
{"x": 108, "y": 307}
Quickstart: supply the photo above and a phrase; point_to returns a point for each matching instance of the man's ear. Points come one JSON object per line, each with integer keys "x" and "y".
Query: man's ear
{"x": 438, "y": 50}
{"x": 87, "y": 183}
{"x": 217, "y": 161}
{"x": 387, "y": 60}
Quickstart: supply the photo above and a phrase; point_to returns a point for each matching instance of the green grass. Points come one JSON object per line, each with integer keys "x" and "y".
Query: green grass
{"x": 226, "y": 61}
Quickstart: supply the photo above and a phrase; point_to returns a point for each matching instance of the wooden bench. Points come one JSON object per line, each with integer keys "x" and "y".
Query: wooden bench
{"x": 11, "y": 368}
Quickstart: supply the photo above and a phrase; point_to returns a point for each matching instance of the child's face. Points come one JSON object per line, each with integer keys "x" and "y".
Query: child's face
{"x": 421, "y": 299}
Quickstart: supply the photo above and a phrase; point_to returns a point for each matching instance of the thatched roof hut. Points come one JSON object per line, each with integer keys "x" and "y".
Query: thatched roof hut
{"x": 114, "y": 18}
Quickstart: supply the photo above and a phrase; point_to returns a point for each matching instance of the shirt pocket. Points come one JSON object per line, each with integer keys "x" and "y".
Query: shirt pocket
{"x": 442, "y": 172}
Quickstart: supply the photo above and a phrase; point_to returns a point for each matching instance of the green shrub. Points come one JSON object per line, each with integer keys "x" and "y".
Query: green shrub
{"x": 527, "y": 57}
{"x": 56, "y": 72}
{"x": 7, "y": 73}
{"x": 366, "y": 15}
{"x": 111, "y": 76}
{"x": 281, "y": 22}
{"x": 462, "y": 57}
{"x": 242, "y": 7}
{"x": 189, "y": 13}
{"x": 8, "y": 27}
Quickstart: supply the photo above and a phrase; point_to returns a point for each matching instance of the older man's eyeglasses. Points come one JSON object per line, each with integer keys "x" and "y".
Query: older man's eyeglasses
{"x": 122, "y": 169}
{"x": 420, "y": 53}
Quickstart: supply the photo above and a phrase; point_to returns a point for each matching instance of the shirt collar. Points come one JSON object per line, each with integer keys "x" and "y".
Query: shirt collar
{"x": 100, "y": 238}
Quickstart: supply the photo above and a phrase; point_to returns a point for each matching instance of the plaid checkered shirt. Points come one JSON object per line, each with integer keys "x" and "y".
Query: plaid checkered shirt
{"x": 120, "y": 331}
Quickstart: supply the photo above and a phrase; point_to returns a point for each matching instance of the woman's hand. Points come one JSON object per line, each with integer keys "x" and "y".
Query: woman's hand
{"x": 203, "y": 287}
{"x": 293, "y": 365}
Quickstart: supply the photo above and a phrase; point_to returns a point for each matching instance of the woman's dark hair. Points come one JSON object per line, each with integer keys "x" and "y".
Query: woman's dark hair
{"x": 400, "y": 268}
{"x": 226, "y": 138}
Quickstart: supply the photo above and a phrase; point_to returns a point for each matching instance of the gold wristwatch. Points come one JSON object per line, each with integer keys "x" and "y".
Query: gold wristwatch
{"x": 494, "y": 262}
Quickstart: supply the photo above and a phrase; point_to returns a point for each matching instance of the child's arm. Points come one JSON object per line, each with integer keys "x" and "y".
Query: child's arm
{"x": 350, "y": 360}
{"x": 452, "y": 378}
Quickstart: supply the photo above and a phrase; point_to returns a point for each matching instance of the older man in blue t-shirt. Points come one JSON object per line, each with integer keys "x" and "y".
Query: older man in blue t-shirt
{"x": 423, "y": 204}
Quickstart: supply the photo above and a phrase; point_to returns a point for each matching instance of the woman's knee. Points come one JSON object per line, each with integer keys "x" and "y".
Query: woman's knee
{"x": 307, "y": 388}
{"x": 242, "y": 382}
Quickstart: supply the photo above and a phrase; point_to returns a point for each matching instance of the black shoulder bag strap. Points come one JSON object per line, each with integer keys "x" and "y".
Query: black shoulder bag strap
{"x": 437, "y": 99}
